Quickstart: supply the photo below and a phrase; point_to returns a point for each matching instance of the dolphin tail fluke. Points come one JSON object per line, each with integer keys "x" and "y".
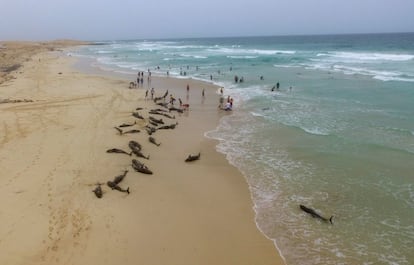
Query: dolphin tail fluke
{"x": 331, "y": 219}
{"x": 119, "y": 130}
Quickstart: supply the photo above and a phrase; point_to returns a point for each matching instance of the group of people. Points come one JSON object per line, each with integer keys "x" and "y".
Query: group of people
{"x": 171, "y": 100}
{"x": 277, "y": 87}
{"x": 140, "y": 79}
{"x": 238, "y": 80}
{"x": 228, "y": 106}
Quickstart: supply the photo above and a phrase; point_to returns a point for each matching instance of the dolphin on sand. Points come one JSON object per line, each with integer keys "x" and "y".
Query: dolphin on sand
{"x": 132, "y": 131}
{"x": 98, "y": 191}
{"x": 127, "y": 124}
{"x": 118, "y": 151}
{"x": 117, "y": 180}
{"x": 139, "y": 154}
{"x": 158, "y": 121}
{"x": 119, "y": 130}
{"x": 116, "y": 187}
{"x": 152, "y": 140}
{"x": 192, "y": 157}
{"x": 140, "y": 167}
{"x": 137, "y": 115}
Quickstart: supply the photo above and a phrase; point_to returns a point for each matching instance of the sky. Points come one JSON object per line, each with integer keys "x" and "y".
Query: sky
{"x": 95, "y": 20}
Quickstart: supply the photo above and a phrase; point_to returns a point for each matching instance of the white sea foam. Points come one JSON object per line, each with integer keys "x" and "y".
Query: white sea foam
{"x": 352, "y": 69}
{"x": 249, "y": 51}
{"x": 285, "y": 65}
{"x": 242, "y": 57}
{"x": 256, "y": 114}
{"x": 315, "y": 131}
{"x": 160, "y": 46}
{"x": 381, "y": 66}
{"x": 193, "y": 56}
{"x": 366, "y": 57}
{"x": 388, "y": 78}
{"x": 104, "y": 52}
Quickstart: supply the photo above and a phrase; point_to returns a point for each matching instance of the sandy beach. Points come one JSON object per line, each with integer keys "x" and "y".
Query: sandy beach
{"x": 56, "y": 125}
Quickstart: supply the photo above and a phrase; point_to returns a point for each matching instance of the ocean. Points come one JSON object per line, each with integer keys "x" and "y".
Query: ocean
{"x": 337, "y": 136}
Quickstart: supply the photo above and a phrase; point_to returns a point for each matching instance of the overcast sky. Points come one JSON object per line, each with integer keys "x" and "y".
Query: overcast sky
{"x": 138, "y": 19}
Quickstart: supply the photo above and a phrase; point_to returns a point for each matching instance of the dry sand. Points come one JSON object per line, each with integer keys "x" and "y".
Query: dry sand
{"x": 53, "y": 152}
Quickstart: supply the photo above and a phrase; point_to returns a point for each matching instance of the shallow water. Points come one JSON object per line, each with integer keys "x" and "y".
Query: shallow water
{"x": 338, "y": 136}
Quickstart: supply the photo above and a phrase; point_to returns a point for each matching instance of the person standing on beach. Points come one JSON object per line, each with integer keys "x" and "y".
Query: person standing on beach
{"x": 172, "y": 100}
{"x": 188, "y": 88}
{"x": 146, "y": 94}
{"x": 152, "y": 93}
{"x": 202, "y": 93}
{"x": 221, "y": 102}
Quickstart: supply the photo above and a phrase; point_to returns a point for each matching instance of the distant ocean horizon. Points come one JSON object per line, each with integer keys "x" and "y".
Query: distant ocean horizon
{"x": 337, "y": 136}
{"x": 105, "y": 41}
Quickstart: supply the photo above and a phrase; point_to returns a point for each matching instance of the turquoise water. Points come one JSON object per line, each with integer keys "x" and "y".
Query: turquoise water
{"x": 338, "y": 136}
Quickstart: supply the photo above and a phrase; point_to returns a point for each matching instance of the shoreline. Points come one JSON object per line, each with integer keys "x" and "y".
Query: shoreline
{"x": 188, "y": 215}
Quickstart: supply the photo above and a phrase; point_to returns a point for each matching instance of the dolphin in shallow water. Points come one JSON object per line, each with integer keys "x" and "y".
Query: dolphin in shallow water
{"x": 315, "y": 214}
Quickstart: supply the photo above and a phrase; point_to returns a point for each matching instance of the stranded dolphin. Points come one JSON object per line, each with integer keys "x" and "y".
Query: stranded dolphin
{"x": 315, "y": 214}
{"x": 118, "y": 151}
{"x": 192, "y": 158}
{"x": 116, "y": 187}
{"x": 98, "y": 191}
{"x": 127, "y": 124}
